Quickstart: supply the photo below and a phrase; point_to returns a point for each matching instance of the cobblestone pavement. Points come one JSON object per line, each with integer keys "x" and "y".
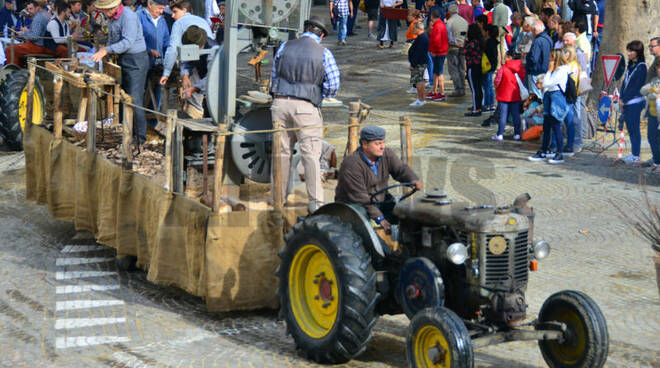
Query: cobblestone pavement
{"x": 64, "y": 302}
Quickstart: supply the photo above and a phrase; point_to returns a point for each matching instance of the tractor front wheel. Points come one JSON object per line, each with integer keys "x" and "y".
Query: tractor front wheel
{"x": 586, "y": 340}
{"x": 327, "y": 290}
{"x": 13, "y": 107}
{"x": 437, "y": 337}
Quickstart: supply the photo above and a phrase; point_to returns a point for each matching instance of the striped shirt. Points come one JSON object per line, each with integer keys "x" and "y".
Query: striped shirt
{"x": 332, "y": 78}
{"x": 38, "y": 28}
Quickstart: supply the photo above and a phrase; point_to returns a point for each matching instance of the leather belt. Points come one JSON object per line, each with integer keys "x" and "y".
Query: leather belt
{"x": 289, "y": 98}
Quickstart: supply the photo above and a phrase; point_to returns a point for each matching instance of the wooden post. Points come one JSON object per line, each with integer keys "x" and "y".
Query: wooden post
{"x": 12, "y": 53}
{"x": 353, "y": 128}
{"x": 177, "y": 159}
{"x": 169, "y": 136}
{"x": 57, "y": 106}
{"x": 406, "y": 140}
{"x": 82, "y": 109}
{"x": 218, "y": 166}
{"x": 91, "y": 121}
{"x": 276, "y": 167}
{"x": 127, "y": 135}
{"x": 115, "y": 110}
{"x": 30, "y": 92}
{"x": 69, "y": 48}
{"x": 110, "y": 105}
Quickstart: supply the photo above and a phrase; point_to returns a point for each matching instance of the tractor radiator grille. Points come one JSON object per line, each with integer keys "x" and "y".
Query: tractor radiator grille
{"x": 507, "y": 270}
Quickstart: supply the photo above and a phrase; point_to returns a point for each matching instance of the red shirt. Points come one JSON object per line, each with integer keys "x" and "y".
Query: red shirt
{"x": 439, "y": 41}
{"x": 466, "y": 11}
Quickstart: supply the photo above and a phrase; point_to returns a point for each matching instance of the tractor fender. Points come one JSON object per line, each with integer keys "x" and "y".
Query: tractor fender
{"x": 355, "y": 215}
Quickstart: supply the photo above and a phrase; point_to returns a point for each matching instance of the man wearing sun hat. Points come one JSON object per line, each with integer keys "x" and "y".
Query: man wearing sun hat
{"x": 126, "y": 40}
{"x": 304, "y": 72}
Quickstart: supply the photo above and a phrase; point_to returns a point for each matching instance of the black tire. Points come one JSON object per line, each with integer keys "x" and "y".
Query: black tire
{"x": 587, "y": 341}
{"x": 355, "y": 315}
{"x": 431, "y": 323}
{"x": 10, "y": 93}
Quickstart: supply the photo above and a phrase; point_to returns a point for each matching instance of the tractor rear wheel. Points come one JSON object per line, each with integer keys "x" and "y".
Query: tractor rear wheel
{"x": 437, "y": 337}
{"x": 327, "y": 290}
{"x": 13, "y": 107}
{"x": 586, "y": 342}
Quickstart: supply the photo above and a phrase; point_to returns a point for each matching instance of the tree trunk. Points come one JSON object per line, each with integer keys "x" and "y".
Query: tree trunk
{"x": 625, "y": 21}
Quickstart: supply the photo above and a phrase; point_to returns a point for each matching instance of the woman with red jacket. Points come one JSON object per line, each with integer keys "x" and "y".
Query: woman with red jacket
{"x": 507, "y": 93}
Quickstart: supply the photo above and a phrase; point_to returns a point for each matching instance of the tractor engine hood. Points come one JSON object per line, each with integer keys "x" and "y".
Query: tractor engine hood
{"x": 431, "y": 211}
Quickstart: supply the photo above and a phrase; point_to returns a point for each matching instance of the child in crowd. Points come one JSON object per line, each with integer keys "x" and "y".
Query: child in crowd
{"x": 532, "y": 112}
{"x": 652, "y": 93}
{"x": 508, "y": 94}
{"x": 412, "y": 18}
{"x": 418, "y": 58}
{"x": 491, "y": 35}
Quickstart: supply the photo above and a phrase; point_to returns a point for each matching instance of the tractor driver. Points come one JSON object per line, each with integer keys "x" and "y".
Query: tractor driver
{"x": 367, "y": 170}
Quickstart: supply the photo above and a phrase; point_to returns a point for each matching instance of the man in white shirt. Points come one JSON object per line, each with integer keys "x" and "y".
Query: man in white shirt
{"x": 58, "y": 29}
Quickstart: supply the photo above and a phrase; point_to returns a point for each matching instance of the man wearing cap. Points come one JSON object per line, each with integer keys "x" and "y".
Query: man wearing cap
{"x": 304, "y": 72}
{"x": 367, "y": 170}
{"x": 156, "y": 36}
{"x": 125, "y": 39}
{"x": 182, "y": 20}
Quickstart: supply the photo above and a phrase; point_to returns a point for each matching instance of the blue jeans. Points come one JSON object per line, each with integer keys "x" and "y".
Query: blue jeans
{"x": 551, "y": 131}
{"x": 570, "y": 127}
{"x": 507, "y": 109}
{"x": 578, "y": 118}
{"x": 351, "y": 20}
{"x": 631, "y": 115}
{"x": 341, "y": 28}
{"x": 430, "y": 69}
{"x": 134, "y": 69}
{"x": 489, "y": 92}
{"x": 654, "y": 138}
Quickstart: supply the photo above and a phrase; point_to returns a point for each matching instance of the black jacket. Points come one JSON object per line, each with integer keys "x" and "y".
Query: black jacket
{"x": 418, "y": 52}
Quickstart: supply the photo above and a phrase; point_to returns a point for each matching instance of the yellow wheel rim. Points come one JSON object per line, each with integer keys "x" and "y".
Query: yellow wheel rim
{"x": 573, "y": 349}
{"x": 37, "y": 108}
{"x": 313, "y": 291}
{"x": 431, "y": 348}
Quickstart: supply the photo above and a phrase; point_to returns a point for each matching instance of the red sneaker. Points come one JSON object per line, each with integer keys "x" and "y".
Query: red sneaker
{"x": 430, "y": 95}
{"x": 439, "y": 97}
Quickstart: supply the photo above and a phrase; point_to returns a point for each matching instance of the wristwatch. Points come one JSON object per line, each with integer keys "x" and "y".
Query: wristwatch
{"x": 379, "y": 219}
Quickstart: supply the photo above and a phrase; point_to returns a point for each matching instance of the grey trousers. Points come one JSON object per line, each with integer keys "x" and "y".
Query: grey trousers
{"x": 456, "y": 66}
{"x": 134, "y": 70}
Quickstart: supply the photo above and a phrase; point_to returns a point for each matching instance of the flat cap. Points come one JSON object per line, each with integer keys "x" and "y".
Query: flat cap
{"x": 372, "y": 133}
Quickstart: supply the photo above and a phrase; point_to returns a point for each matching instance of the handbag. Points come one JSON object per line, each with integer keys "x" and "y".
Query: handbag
{"x": 524, "y": 92}
{"x": 485, "y": 63}
{"x": 584, "y": 85}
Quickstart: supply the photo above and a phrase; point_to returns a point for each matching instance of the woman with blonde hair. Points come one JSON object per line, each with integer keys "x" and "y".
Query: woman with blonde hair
{"x": 555, "y": 108}
{"x": 572, "y": 120}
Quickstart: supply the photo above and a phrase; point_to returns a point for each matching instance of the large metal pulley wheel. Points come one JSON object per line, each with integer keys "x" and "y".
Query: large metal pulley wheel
{"x": 251, "y": 152}
{"x": 255, "y": 10}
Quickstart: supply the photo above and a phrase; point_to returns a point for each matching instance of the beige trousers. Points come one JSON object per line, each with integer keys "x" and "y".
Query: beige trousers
{"x": 300, "y": 114}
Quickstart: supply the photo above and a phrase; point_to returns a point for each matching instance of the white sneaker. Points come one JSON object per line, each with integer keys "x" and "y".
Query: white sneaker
{"x": 498, "y": 138}
{"x": 412, "y": 91}
{"x": 630, "y": 159}
{"x": 418, "y": 103}
{"x": 516, "y": 137}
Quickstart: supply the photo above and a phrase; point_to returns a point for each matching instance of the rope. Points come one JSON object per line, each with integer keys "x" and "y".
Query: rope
{"x": 29, "y": 37}
{"x": 219, "y": 132}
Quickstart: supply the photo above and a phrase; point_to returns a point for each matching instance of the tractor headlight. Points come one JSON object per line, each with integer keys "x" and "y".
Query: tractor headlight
{"x": 541, "y": 249}
{"x": 457, "y": 253}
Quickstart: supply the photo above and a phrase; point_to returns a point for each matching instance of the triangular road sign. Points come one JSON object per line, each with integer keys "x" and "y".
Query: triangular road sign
{"x": 610, "y": 63}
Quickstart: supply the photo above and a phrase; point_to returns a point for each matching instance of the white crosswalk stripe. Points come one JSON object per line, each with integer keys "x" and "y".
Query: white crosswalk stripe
{"x": 82, "y": 248}
{"x": 84, "y": 304}
{"x": 70, "y": 323}
{"x": 71, "y": 289}
{"x": 83, "y": 341}
{"x": 67, "y": 275}
{"x": 79, "y": 261}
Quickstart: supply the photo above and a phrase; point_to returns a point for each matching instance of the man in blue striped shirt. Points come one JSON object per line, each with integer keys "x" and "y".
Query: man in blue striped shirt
{"x": 304, "y": 72}
{"x": 34, "y": 43}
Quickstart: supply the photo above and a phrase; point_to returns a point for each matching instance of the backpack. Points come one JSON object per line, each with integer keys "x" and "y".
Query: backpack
{"x": 571, "y": 91}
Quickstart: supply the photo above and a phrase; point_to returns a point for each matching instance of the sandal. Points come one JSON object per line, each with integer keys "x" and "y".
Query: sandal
{"x": 380, "y": 46}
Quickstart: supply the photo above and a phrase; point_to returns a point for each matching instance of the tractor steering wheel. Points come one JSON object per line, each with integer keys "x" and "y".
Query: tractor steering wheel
{"x": 407, "y": 184}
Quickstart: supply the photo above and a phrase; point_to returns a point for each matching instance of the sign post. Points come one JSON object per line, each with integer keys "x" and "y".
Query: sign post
{"x": 610, "y": 64}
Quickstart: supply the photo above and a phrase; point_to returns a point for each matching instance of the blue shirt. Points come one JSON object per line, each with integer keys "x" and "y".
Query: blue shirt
{"x": 38, "y": 28}
{"x": 125, "y": 34}
{"x": 178, "y": 29}
{"x": 332, "y": 78}
{"x": 373, "y": 166}
{"x": 156, "y": 37}
{"x": 8, "y": 19}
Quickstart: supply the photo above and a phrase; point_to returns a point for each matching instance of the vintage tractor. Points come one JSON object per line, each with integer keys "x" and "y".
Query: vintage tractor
{"x": 459, "y": 273}
{"x": 13, "y": 102}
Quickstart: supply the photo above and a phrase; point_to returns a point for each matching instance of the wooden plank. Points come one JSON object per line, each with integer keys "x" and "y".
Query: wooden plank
{"x": 115, "y": 110}
{"x": 353, "y": 128}
{"x": 406, "y": 140}
{"x": 169, "y": 136}
{"x": 218, "y": 167}
{"x": 276, "y": 167}
{"x": 110, "y": 105}
{"x": 112, "y": 70}
{"x": 198, "y": 126}
{"x": 57, "y": 106}
{"x": 91, "y": 121}
{"x": 177, "y": 159}
{"x": 30, "y": 92}
{"x": 82, "y": 109}
{"x": 127, "y": 137}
